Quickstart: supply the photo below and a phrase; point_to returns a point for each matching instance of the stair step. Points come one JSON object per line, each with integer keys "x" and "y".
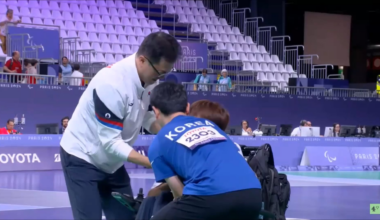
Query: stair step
{"x": 149, "y": 7}
{"x": 184, "y": 36}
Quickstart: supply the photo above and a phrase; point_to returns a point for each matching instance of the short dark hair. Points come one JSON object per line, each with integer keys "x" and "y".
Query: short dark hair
{"x": 76, "y": 66}
{"x": 169, "y": 98}
{"x": 160, "y": 45}
{"x": 10, "y": 120}
{"x": 14, "y": 53}
{"x": 303, "y": 122}
{"x": 204, "y": 71}
{"x": 9, "y": 11}
{"x": 64, "y": 57}
{"x": 33, "y": 62}
{"x": 212, "y": 111}
{"x": 26, "y": 62}
{"x": 65, "y": 118}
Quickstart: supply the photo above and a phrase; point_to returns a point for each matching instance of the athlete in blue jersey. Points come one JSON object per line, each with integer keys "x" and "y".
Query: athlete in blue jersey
{"x": 203, "y": 167}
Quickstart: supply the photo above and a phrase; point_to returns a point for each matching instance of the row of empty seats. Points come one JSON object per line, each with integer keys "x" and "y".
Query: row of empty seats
{"x": 107, "y": 57}
{"x": 241, "y": 48}
{"x": 103, "y": 37}
{"x": 208, "y": 29}
{"x": 189, "y": 3}
{"x": 275, "y": 77}
{"x": 137, "y": 28}
{"x": 190, "y": 11}
{"x": 255, "y": 58}
{"x": 84, "y": 14}
{"x": 270, "y": 68}
{"x": 107, "y": 47}
{"x": 57, "y": 4}
{"x": 66, "y": 5}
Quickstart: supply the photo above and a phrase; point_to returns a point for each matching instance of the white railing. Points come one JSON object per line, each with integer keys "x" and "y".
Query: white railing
{"x": 289, "y": 90}
{"x": 16, "y": 78}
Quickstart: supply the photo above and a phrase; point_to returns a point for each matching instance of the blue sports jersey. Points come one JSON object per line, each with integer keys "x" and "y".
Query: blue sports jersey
{"x": 202, "y": 155}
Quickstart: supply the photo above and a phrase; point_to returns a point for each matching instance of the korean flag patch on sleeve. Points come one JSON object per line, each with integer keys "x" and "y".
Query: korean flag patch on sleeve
{"x": 200, "y": 136}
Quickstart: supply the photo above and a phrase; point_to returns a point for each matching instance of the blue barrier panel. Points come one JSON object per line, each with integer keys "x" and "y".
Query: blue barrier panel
{"x": 49, "y": 39}
{"x": 365, "y": 155}
{"x": 44, "y": 104}
{"x": 326, "y": 156}
{"x": 30, "y": 151}
{"x": 193, "y": 51}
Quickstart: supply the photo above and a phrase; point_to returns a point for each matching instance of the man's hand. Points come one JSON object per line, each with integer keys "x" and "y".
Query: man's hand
{"x": 139, "y": 159}
{"x": 164, "y": 187}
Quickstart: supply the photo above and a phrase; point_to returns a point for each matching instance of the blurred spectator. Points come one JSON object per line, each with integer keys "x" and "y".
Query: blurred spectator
{"x": 297, "y": 131}
{"x": 2, "y": 54}
{"x": 7, "y": 19}
{"x": 225, "y": 81}
{"x": 77, "y": 75}
{"x": 258, "y": 132}
{"x": 308, "y": 124}
{"x": 65, "y": 70}
{"x": 375, "y": 132}
{"x": 361, "y": 130}
{"x": 30, "y": 69}
{"x": 27, "y": 65}
{"x": 33, "y": 70}
{"x": 64, "y": 123}
{"x": 335, "y": 132}
{"x": 246, "y": 130}
{"x": 9, "y": 128}
{"x": 13, "y": 65}
{"x": 203, "y": 79}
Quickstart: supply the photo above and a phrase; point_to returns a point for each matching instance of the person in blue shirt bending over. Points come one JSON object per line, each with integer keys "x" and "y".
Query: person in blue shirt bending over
{"x": 202, "y": 166}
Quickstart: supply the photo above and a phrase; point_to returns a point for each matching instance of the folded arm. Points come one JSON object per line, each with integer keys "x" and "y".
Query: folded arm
{"x": 175, "y": 185}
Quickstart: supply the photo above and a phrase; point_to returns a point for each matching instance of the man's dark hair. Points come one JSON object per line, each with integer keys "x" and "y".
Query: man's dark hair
{"x": 303, "y": 122}
{"x": 14, "y": 53}
{"x": 76, "y": 66}
{"x": 9, "y": 11}
{"x": 64, "y": 57}
{"x": 33, "y": 62}
{"x": 26, "y": 62}
{"x": 10, "y": 120}
{"x": 160, "y": 45}
{"x": 64, "y": 118}
{"x": 169, "y": 98}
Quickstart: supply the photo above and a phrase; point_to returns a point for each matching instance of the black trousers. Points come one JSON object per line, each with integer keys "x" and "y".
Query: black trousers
{"x": 152, "y": 205}
{"x": 90, "y": 190}
{"x": 237, "y": 205}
